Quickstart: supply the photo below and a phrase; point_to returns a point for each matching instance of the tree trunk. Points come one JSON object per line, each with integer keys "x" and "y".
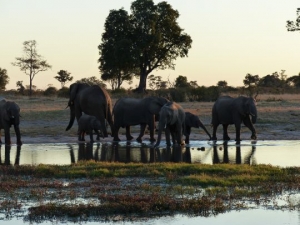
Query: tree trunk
{"x": 142, "y": 84}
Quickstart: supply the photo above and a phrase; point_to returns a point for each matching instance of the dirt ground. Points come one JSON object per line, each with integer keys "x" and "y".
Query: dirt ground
{"x": 44, "y": 120}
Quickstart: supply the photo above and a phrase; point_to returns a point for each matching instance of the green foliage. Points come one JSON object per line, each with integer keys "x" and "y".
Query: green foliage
{"x": 91, "y": 81}
{"x": 63, "y": 92}
{"x": 50, "y": 91}
{"x": 4, "y": 79}
{"x": 150, "y": 38}
{"x": 181, "y": 82}
{"x": 63, "y": 77}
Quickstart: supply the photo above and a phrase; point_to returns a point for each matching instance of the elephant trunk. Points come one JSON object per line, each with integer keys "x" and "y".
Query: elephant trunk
{"x": 254, "y": 116}
{"x": 72, "y": 118}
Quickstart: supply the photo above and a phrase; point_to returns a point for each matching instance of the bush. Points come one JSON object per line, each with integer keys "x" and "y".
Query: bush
{"x": 63, "y": 92}
{"x": 50, "y": 91}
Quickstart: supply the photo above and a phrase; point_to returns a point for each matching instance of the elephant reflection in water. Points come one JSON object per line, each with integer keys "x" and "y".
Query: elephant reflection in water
{"x": 7, "y": 155}
{"x": 238, "y": 156}
{"x": 85, "y": 152}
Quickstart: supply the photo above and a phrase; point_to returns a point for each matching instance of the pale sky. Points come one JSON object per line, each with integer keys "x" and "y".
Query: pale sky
{"x": 230, "y": 38}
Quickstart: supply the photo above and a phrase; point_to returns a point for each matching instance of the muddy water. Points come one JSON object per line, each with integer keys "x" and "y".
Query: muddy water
{"x": 277, "y": 153}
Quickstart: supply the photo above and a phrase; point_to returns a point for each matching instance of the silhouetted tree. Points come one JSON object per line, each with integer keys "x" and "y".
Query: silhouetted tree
{"x": 20, "y": 87}
{"x": 4, "y": 79}
{"x": 63, "y": 77}
{"x": 181, "y": 81}
{"x": 150, "y": 36}
{"x": 222, "y": 84}
{"x": 294, "y": 25}
{"x": 294, "y": 80}
{"x": 92, "y": 81}
{"x": 31, "y": 63}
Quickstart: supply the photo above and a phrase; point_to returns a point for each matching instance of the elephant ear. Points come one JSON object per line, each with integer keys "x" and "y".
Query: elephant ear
{"x": 73, "y": 92}
{"x": 156, "y": 104}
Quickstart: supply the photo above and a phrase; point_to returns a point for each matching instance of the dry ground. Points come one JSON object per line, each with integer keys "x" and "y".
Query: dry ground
{"x": 44, "y": 119}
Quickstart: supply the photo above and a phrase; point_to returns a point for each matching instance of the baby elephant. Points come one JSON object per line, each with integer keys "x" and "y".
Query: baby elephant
{"x": 86, "y": 124}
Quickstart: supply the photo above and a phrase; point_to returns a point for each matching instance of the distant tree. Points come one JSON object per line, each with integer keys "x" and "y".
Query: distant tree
{"x": 294, "y": 81}
{"x": 31, "y": 63}
{"x": 20, "y": 87}
{"x": 193, "y": 84}
{"x": 222, "y": 84}
{"x": 273, "y": 80}
{"x": 154, "y": 82}
{"x": 181, "y": 81}
{"x": 251, "y": 83}
{"x": 294, "y": 25}
{"x": 63, "y": 77}
{"x": 92, "y": 81}
{"x": 152, "y": 36}
{"x": 4, "y": 79}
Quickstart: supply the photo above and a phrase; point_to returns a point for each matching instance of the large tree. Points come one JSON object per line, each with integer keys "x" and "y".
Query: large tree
{"x": 4, "y": 79}
{"x": 294, "y": 25}
{"x": 152, "y": 39}
{"x": 31, "y": 63}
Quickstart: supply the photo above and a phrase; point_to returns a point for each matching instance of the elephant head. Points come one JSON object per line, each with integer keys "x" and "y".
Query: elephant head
{"x": 12, "y": 113}
{"x": 249, "y": 108}
{"x": 192, "y": 120}
{"x": 74, "y": 90}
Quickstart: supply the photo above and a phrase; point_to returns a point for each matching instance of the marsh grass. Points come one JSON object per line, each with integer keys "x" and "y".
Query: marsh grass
{"x": 105, "y": 190}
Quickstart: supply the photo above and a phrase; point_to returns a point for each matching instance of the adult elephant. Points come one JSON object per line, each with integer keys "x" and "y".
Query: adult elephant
{"x": 172, "y": 120}
{"x": 92, "y": 100}
{"x": 131, "y": 111}
{"x": 10, "y": 115}
{"x": 227, "y": 110}
{"x": 191, "y": 120}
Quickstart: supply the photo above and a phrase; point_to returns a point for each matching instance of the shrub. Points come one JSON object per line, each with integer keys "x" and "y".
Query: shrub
{"x": 50, "y": 91}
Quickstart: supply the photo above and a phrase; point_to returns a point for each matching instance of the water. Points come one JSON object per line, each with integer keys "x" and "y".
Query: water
{"x": 276, "y": 153}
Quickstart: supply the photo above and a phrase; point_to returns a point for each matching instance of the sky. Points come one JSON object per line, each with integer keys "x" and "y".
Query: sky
{"x": 231, "y": 38}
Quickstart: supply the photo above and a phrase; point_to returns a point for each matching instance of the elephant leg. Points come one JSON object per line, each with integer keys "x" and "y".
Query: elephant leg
{"x": 152, "y": 129}
{"x": 250, "y": 125}
{"x": 237, "y": 132}
{"x": 215, "y": 127}
{"x": 98, "y": 134}
{"x": 128, "y": 133}
{"x": 225, "y": 132}
{"x": 116, "y": 133}
{"x": 187, "y": 134}
{"x": 167, "y": 133}
{"x": 7, "y": 136}
{"x": 91, "y": 136}
{"x": 142, "y": 132}
{"x": 103, "y": 127}
{"x": 18, "y": 134}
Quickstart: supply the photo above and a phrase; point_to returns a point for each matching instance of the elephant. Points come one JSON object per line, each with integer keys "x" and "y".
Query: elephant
{"x": 10, "y": 115}
{"x": 191, "y": 120}
{"x": 172, "y": 120}
{"x": 92, "y": 100}
{"x": 131, "y": 111}
{"x": 227, "y": 110}
{"x": 88, "y": 124}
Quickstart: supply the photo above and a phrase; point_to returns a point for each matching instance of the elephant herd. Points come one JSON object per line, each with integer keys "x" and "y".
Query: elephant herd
{"x": 92, "y": 108}
{"x": 95, "y": 102}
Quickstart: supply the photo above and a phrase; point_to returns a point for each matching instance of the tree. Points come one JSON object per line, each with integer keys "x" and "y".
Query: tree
{"x": 20, "y": 86}
{"x": 181, "y": 81}
{"x": 154, "y": 82}
{"x": 294, "y": 25}
{"x": 153, "y": 38}
{"x": 251, "y": 82}
{"x": 294, "y": 80}
{"x": 92, "y": 81}
{"x": 116, "y": 49}
{"x": 4, "y": 79}
{"x": 222, "y": 84}
{"x": 31, "y": 63}
{"x": 63, "y": 77}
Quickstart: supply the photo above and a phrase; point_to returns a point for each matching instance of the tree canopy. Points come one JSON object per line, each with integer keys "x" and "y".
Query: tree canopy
{"x": 294, "y": 25}
{"x": 147, "y": 39}
{"x": 4, "y": 79}
{"x": 63, "y": 77}
{"x": 31, "y": 63}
